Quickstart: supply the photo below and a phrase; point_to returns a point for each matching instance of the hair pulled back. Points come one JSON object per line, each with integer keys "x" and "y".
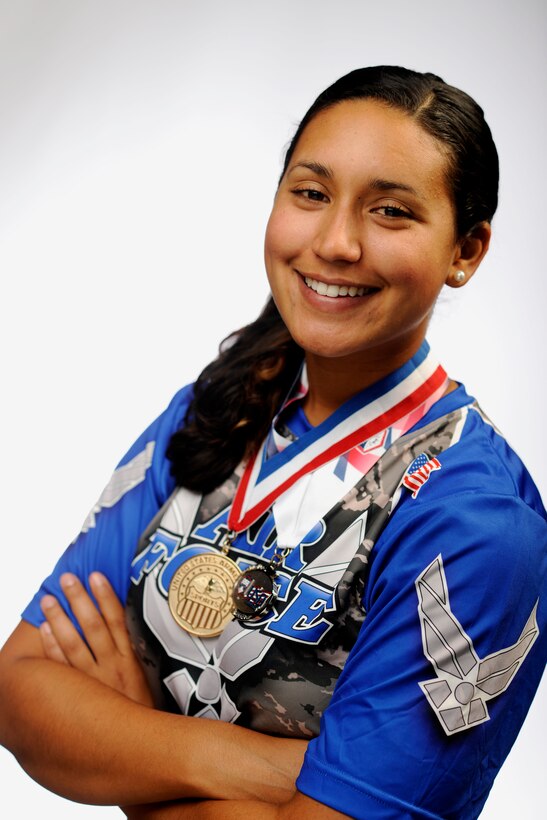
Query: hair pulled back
{"x": 238, "y": 394}
{"x": 235, "y": 399}
{"x": 449, "y": 115}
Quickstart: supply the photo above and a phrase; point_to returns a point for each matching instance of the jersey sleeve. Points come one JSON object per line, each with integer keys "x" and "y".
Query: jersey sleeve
{"x": 137, "y": 489}
{"x": 446, "y": 663}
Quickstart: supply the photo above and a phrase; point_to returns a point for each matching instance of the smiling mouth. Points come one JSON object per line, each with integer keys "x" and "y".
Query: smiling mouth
{"x": 334, "y": 291}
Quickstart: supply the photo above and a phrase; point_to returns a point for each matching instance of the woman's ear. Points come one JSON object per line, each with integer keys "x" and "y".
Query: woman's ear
{"x": 469, "y": 254}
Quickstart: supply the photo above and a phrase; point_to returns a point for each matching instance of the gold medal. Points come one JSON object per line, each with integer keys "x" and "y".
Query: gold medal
{"x": 200, "y": 593}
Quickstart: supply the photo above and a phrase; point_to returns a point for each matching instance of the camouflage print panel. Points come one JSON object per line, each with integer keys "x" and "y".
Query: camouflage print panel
{"x": 275, "y": 675}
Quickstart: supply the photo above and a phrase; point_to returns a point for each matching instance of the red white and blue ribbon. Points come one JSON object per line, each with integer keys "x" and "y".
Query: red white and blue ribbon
{"x": 396, "y": 402}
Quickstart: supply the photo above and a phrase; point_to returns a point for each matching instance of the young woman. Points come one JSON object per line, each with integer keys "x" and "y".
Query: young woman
{"x": 324, "y": 539}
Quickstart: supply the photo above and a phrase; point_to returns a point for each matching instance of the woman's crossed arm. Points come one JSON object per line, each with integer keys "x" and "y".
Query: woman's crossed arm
{"x": 81, "y": 724}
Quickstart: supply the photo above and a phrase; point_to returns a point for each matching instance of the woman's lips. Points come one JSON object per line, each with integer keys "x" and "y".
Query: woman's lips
{"x": 334, "y": 291}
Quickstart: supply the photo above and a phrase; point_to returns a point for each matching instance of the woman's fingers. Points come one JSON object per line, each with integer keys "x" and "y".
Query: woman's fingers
{"x": 111, "y": 610}
{"x": 124, "y": 671}
{"x": 92, "y": 624}
{"x": 111, "y": 659}
{"x": 50, "y": 644}
{"x": 65, "y": 635}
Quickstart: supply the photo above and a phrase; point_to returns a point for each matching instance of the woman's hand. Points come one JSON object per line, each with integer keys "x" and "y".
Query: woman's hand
{"x": 106, "y": 653}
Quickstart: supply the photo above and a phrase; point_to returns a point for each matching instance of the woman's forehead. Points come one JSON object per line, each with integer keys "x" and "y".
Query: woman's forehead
{"x": 368, "y": 136}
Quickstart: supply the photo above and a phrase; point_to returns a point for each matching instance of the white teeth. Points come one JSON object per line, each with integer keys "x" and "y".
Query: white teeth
{"x": 334, "y": 290}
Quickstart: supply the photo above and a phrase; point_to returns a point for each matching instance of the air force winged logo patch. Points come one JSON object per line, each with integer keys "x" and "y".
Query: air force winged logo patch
{"x": 464, "y": 682}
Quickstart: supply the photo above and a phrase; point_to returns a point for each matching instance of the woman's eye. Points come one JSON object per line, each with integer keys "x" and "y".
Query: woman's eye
{"x": 311, "y": 194}
{"x": 392, "y": 211}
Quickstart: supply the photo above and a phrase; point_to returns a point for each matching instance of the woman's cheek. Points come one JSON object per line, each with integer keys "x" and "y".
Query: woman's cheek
{"x": 285, "y": 234}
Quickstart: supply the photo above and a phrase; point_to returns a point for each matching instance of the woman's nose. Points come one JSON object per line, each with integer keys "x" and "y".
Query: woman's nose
{"x": 338, "y": 237}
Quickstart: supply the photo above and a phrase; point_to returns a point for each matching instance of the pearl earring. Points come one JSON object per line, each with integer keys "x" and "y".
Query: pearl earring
{"x": 459, "y": 276}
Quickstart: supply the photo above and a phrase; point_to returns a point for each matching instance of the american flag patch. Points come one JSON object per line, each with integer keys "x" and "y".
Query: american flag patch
{"x": 418, "y": 473}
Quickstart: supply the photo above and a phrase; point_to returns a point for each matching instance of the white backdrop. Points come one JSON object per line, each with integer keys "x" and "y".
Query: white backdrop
{"x": 140, "y": 144}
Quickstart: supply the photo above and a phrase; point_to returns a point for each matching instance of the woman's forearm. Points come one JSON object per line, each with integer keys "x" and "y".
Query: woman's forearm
{"x": 84, "y": 740}
{"x": 300, "y": 807}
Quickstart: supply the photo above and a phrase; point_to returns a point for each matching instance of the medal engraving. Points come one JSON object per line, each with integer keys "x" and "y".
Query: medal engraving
{"x": 253, "y": 592}
{"x": 200, "y": 594}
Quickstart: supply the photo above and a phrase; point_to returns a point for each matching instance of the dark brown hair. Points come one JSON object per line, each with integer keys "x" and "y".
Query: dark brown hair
{"x": 235, "y": 400}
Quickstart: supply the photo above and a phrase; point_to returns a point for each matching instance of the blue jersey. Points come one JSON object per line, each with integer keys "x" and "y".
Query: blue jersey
{"x": 449, "y": 642}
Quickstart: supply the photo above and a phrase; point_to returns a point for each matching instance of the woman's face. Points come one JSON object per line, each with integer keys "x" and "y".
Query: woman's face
{"x": 361, "y": 237}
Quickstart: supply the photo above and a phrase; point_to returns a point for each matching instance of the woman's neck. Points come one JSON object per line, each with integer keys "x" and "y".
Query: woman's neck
{"x": 333, "y": 381}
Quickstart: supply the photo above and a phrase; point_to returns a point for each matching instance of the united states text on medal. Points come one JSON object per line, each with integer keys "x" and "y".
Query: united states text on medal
{"x": 200, "y": 594}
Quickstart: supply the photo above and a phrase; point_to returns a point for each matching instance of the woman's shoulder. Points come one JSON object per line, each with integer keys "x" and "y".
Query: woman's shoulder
{"x": 480, "y": 461}
{"x": 478, "y": 508}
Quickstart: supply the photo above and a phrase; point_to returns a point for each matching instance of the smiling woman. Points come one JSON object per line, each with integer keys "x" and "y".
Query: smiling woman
{"x": 362, "y": 238}
{"x": 310, "y": 546}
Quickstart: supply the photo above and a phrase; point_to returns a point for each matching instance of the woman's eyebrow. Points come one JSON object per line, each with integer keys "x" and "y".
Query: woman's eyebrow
{"x": 391, "y": 185}
{"x": 316, "y": 167}
{"x": 375, "y": 184}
